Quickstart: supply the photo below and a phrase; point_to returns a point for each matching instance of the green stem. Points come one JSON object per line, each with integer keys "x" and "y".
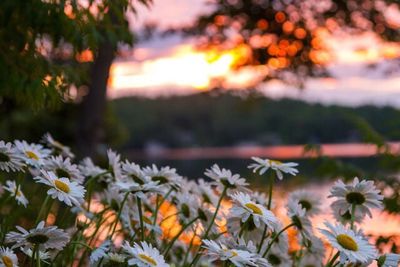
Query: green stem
{"x": 332, "y": 261}
{"x": 276, "y": 237}
{"x": 42, "y": 208}
{"x": 197, "y": 257}
{"x": 37, "y": 258}
{"x": 271, "y": 185}
{"x": 139, "y": 205}
{"x": 158, "y": 205}
{"x": 353, "y": 215}
{"x": 119, "y": 213}
{"x": 177, "y": 236}
{"x": 215, "y": 213}
{"x": 262, "y": 239}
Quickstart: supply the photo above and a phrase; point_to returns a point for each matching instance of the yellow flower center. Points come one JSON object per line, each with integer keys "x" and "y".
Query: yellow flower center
{"x": 32, "y": 155}
{"x": 147, "y": 259}
{"x": 231, "y": 252}
{"x": 347, "y": 242}
{"x": 7, "y": 261}
{"x": 17, "y": 193}
{"x": 62, "y": 186}
{"x": 276, "y": 162}
{"x": 254, "y": 208}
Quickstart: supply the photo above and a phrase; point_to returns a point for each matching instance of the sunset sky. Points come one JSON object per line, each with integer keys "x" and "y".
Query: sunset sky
{"x": 165, "y": 66}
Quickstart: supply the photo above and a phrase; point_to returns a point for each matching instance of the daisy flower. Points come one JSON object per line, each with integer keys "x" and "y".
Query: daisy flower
{"x": 352, "y": 246}
{"x": 10, "y": 160}
{"x": 314, "y": 250}
{"x": 100, "y": 252}
{"x": 138, "y": 190}
{"x": 89, "y": 169}
{"x": 33, "y": 154}
{"x": 225, "y": 179}
{"x": 278, "y": 258}
{"x": 219, "y": 251}
{"x": 164, "y": 175}
{"x": 345, "y": 218}
{"x": 188, "y": 205}
{"x": 311, "y": 202}
{"x": 114, "y": 164}
{"x": 11, "y": 187}
{"x": 71, "y": 193}
{"x": 134, "y": 172}
{"x": 246, "y": 208}
{"x": 8, "y": 258}
{"x": 57, "y": 146}
{"x": 64, "y": 168}
{"x": 43, "y": 255}
{"x": 362, "y": 194}
{"x": 115, "y": 259}
{"x": 49, "y": 237}
{"x": 389, "y": 260}
{"x": 144, "y": 255}
{"x": 299, "y": 218}
{"x": 262, "y": 165}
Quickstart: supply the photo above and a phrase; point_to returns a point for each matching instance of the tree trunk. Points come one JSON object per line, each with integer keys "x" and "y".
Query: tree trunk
{"x": 91, "y": 119}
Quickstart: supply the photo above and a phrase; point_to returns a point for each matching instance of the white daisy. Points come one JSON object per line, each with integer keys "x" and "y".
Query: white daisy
{"x": 115, "y": 258}
{"x": 71, "y": 193}
{"x": 57, "y": 146}
{"x": 299, "y": 218}
{"x": 278, "y": 258}
{"x": 134, "y": 172}
{"x": 43, "y": 255}
{"x": 205, "y": 191}
{"x": 389, "y": 260}
{"x": 311, "y": 202}
{"x": 353, "y": 247}
{"x": 164, "y": 175}
{"x": 138, "y": 190}
{"x": 10, "y": 160}
{"x": 90, "y": 170}
{"x": 49, "y": 237}
{"x": 33, "y": 154}
{"x": 64, "y": 168}
{"x": 246, "y": 208}
{"x": 314, "y": 250}
{"x": 131, "y": 221}
{"x": 345, "y": 218}
{"x": 100, "y": 252}
{"x": 8, "y": 258}
{"x": 262, "y": 165}
{"x": 11, "y": 187}
{"x": 144, "y": 255}
{"x": 114, "y": 164}
{"x": 363, "y": 194}
{"x": 188, "y": 205}
{"x": 225, "y": 179}
{"x": 219, "y": 251}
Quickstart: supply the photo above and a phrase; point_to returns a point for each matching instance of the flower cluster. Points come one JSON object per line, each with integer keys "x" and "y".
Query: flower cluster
{"x": 123, "y": 214}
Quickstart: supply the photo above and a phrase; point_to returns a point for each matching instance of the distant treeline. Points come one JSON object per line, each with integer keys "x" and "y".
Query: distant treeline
{"x": 225, "y": 119}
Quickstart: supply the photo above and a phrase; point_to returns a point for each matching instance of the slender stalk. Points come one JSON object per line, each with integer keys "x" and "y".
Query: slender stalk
{"x": 177, "y": 235}
{"x": 139, "y": 205}
{"x": 197, "y": 257}
{"x": 37, "y": 257}
{"x": 158, "y": 205}
{"x": 271, "y": 185}
{"x": 215, "y": 213}
{"x": 332, "y": 261}
{"x": 42, "y": 209}
{"x": 276, "y": 237}
{"x": 353, "y": 215}
{"x": 119, "y": 213}
{"x": 262, "y": 239}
